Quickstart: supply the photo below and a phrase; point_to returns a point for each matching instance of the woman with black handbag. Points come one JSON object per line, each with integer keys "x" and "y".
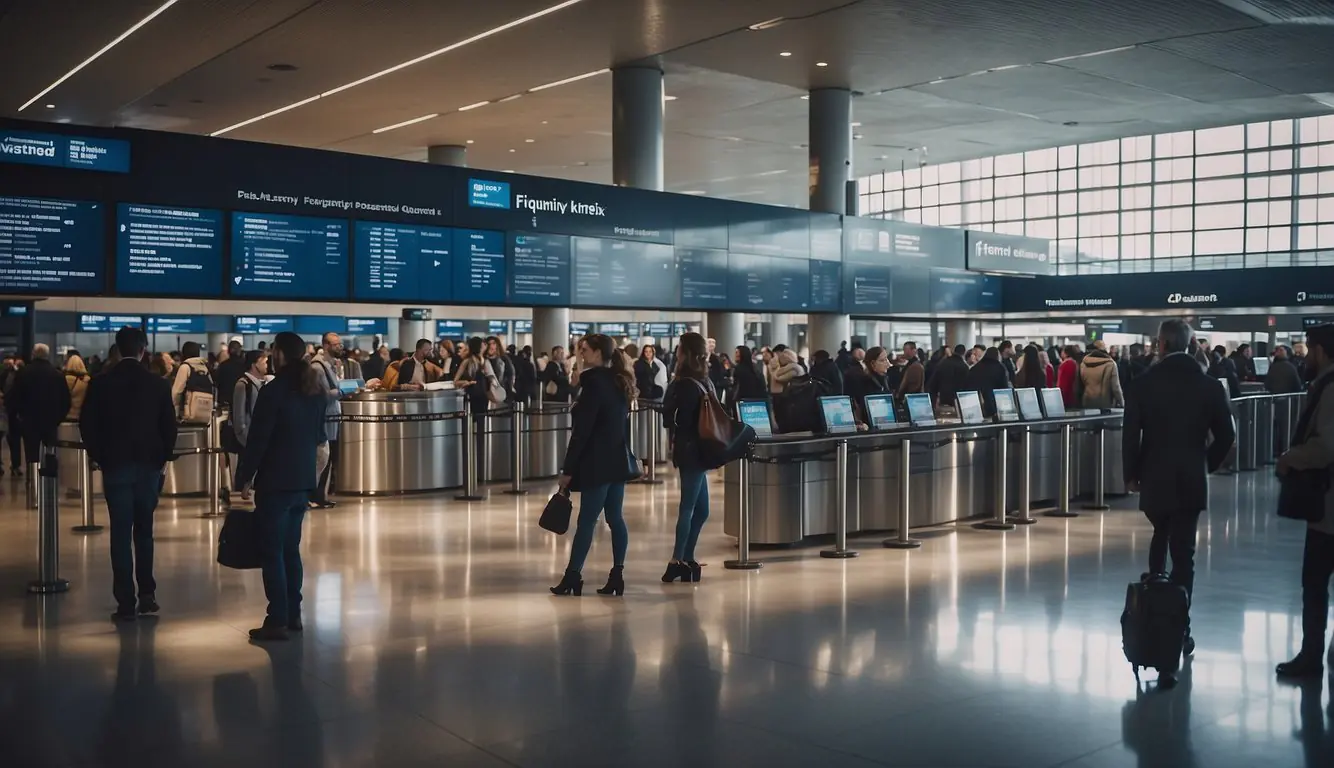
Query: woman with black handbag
{"x": 598, "y": 461}
{"x": 681, "y": 410}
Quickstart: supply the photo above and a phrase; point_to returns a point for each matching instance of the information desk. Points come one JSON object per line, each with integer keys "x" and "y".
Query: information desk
{"x": 400, "y": 442}
{"x": 793, "y": 482}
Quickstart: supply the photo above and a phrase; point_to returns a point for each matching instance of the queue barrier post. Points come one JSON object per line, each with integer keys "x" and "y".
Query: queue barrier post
{"x": 840, "y": 550}
{"x": 1024, "y": 514}
{"x": 89, "y": 525}
{"x": 650, "y": 476}
{"x": 48, "y": 579}
{"x": 213, "y": 475}
{"x": 516, "y": 450}
{"x": 902, "y": 540}
{"x": 743, "y": 561}
{"x": 32, "y": 486}
{"x": 471, "y": 492}
{"x": 1099, "y": 502}
{"x": 1063, "y": 496}
{"x": 999, "y": 521}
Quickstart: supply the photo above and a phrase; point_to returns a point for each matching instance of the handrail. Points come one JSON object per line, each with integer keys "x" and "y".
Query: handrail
{"x": 915, "y": 433}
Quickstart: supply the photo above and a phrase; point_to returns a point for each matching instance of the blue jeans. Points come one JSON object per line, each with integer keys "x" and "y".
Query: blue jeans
{"x": 592, "y": 502}
{"x": 280, "y": 516}
{"x": 131, "y": 492}
{"x": 692, "y": 513}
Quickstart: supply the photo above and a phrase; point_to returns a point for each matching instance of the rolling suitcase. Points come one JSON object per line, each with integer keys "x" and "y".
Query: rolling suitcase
{"x": 1154, "y": 624}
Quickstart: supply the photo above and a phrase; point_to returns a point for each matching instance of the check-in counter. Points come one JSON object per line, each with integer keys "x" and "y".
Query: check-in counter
{"x": 187, "y": 474}
{"x": 953, "y": 475}
{"x": 400, "y": 442}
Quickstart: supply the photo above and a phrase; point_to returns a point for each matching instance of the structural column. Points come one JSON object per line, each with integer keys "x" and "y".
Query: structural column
{"x": 412, "y": 331}
{"x": 830, "y": 143}
{"x": 728, "y": 329}
{"x": 447, "y": 154}
{"x": 965, "y": 332}
{"x": 780, "y": 330}
{"x": 636, "y": 127}
{"x": 551, "y": 327}
{"x": 827, "y": 332}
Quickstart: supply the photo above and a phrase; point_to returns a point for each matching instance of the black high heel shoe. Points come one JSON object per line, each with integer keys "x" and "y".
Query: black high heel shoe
{"x": 615, "y": 583}
{"x": 676, "y": 570}
{"x": 695, "y": 570}
{"x": 569, "y": 584}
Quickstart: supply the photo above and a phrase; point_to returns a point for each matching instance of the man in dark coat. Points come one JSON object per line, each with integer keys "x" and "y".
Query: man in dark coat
{"x": 38, "y": 402}
{"x": 230, "y": 371}
{"x": 1178, "y": 429}
{"x": 1283, "y": 377}
{"x": 948, "y": 377}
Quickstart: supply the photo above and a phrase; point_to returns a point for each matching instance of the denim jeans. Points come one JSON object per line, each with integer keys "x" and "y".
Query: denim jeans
{"x": 592, "y": 502}
{"x": 280, "y": 516}
{"x": 692, "y": 513}
{"x": 1175, "y": 533}
{"x": 131, "y": 492}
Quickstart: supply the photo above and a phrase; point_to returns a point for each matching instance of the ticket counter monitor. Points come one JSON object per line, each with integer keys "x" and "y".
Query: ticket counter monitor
{"x": 970, "y": 407}
{"x": 1053, "y": 403}
{"x": 1261, "y": 365}
{"x": 1029, "y": 407}
{"x": 838, "y": 416}
{"x": 1005, "y": 408}
{"x": 755, "y": 413}
{"x": 920, "y": 412}
{"x": 880, "y": 410}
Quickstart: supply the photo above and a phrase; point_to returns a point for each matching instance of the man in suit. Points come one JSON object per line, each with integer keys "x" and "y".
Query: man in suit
{"x": 128, "y": 425}
{"x": 38, "y": 402}
{"x": 1178, "y": 429}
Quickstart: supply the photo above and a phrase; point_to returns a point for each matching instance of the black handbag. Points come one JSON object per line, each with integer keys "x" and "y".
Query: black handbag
{"x": 1301, "y": 494}
{"x": 556, "y": 515}
{"x": 239, "y": 541}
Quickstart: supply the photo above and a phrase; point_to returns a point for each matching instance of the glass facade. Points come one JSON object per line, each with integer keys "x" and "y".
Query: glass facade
{"x": 1253, "y": 195}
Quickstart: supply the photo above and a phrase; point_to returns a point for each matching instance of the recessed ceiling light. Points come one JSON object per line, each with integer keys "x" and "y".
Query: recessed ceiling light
{"x": 856, "y": 125}
{"x": 785, "y": 54}
{"x": 50, "y": 106}
{"x": 510, "y": 98}
{"x": 474, "y": 106}
{"x": 469, "y": 141}
{"x": 665, "y": 97}
{"x": 857, "y": 136}
{"x": 514, "y": 150}
{"x": 99, "y": 53}
{"x": 768, "y": 24}
{"x": 807, "y": 97}
{"x": 544, "y": 122}
{"x": 694, "y": 192}
{"x": 529, "y": 141}
{"x": 407, "y": 122}
{"x": 821, "y": 63}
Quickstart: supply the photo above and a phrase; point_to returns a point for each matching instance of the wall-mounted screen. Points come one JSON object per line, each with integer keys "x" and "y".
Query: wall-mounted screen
{"x": 539, "y": 267}
{"x": 756, "y": 414}
{"x": 60, "y": 151}
{"x": 624, "y": 273}
{"x": 479, "y": 266}
{"x": 257, "y": 325}
{"x": 401, "y": 262}
{"x": 165, "y": 251}
{"x": 51, "y": 246}
{"x": 367, "y": 326}
{"x": 497, "y": 327}
{"x": 523, "y": 326}
{"x": 866, "y": 287}
{"x": 826, "y": 286}
{"x": 703, "y": 275}
{"x": 312, "y": 327}
{"x": 613, "y": 329}
{"x": 288, "y": 256}
{"x": 175, "y": 323}
{"x": 920, "y": 412}
{"x": 659, "y": 331}
{"x": 108, "y": 323}
{"x": 449, "y": 329}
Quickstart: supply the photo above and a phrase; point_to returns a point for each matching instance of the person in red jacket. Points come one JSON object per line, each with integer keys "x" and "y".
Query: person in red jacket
{"x": 1067, "y": 374}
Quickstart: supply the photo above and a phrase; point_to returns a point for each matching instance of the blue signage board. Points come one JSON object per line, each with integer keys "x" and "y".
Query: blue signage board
{"x": 59, "y": 151}
{"x": 402, "y": 262}
{"x": 826, "y": 236}
{"x": 479, "y": 266}
{"x": 367, "y": 326}
{"x": 581, "y": 329}
{"x": 497, "y": 327}
{"x": 175, "y": 323}
{"x": 164, "y": 251}
{"x": 452, "y": 329}
{"x": 529, "y": 203}
{"x": 658, "y": 330}
{"x": 1182, "y": 293}
{"x": 759, "y": 283}
{"x": 623, "y": 273}
{"x": 312, "y": 327}
{"x": 539, "y": 269}
{"x": 51, "y": 246}
{"x": 826, "y": 286}
{"x": 995, "y": 252}
{"x": 288, "y": 256}
{"x": 959, "y": 291}
{"x": 614, "y": 329}
{"x": 866, "y": 287}
{"x": 488, "y": 194}
{"x": 899, "y": 243}
{"x": 523, "y": 326}
{"x": 92, "y": 323}
{"x": 262, "y": 325}
{"x": 764, "y": 230}
{"x": 704, "y": 278}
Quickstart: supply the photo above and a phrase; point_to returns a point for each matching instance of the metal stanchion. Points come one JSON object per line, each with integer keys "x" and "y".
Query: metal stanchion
{"x": 743, "y": 561}
{"x": 999, "y": 522}
{"x": 840, "y": 549}
{"x": 86, "y": 495}
{"x": 516, "y": 451}
{"x": 1063, "y": 499}
{"x": 470, "y": 450}
{"x": 212, "y": 461}
{"x": 902, "y": 541}
{"x": 1024, "y": 515}
{"x": 34, "y": 478}
{"x": 1099, "y": 503}
{"x": 650, "y": 476}
{"x": 48, "y": 527}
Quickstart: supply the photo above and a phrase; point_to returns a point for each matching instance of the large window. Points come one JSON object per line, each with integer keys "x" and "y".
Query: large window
{"x": 1254, "y": 195}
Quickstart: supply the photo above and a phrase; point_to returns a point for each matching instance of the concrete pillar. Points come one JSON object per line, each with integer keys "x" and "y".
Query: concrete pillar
{"x": 216, "y": 341}
{"x": 411, "y": 331}
{"x": 830, "y": 148}
{"x": 965, "y": 332}
{"x": 728, "y": 329}
{"x": 780, "y": 330}
{"x": 551, "y": 326}
{"x": 827, "y": 332}
{"x": 447, "y": 154}
{"x": 636, "y": 127}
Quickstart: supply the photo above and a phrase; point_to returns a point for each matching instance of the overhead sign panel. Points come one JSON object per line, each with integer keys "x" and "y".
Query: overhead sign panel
{"x": 51, "y": 246}
{"x": 703, "y": 275}
{"x": 539, "y": 267}
{"x": 624, "y": 273}
{"x": 166, "y": 251}
{"x": 60, "y": 151}
{"x": 175, "y": 323}
{"x": 288, "y": 256}
{"x": 899, "y": 243}
{"x": 402, "y": 262}
{"x": 1181, "y": 293}
{"x": 995, "y": 252}
{"x": 261, "y": 325}
{"x": 565, "y": 207}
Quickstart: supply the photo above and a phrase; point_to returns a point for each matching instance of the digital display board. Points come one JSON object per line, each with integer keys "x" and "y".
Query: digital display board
{"x": 958, "y": 291}
{"x": 312, "y": 327}
{"x": 533, "y": 204}
{"x": 790, "y": 287}
{"x": 402, "y": 262}
{"x": 1053, "y": 402}
{"x": 288, "y": 256}
{"x": 523, "y": 326}
{"x": 883, "y": 241}
{"x": 624, "y": 273}
{"x": 539, "y": 267}
{"x": 970, "y": 407}
{"x": 51, "y": 246}
{"x": 658, "y": 330}
{"x": 175, "y": 323}
{"x": 703, "y": 275}
{"x": 55, "y": 150}
{"x": 108, "y": 323}
{"x": 449, "y": 329}
{"x": 262, "y": 326}
{"x": 767, "y": 283}
{"x": 1029, "y": 407}
{"x": 880, "y": 410}
{"x": 479, "y": 266}
{"x": 764, "y": 230}
{"x": 497, "y": 327}
{"x": 920, "y": 412}
{"x": 826, "y": 286}
{"x": 866, "y": 287}
{"x": 838, "y": 415}
{"x": 826, "y": 236}
{"x": 167, "y": 251}
{"x": 700, "y": 222}
{"x": 367, "y": 326}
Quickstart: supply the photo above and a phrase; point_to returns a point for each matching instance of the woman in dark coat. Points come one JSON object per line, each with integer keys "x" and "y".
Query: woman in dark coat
{"x": 868, "y": 380}
{"x": 747, "y": 381}
{"x": 598, "y": 461}
{"x": 681, "y": 410}
{"x": 984, "y": 378}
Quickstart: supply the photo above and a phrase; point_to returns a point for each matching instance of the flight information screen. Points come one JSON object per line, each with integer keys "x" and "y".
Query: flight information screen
{"x": 402, "y": 262}
{"x": 826, "y": 286}
{"x": 703, "y": 275}
{"x": 539, "y": 268}
{"x": 288, "y": 256}
{"x": 479, "y": 266}
{"x": 51, "y": 246}
{"x": 623, "y": 273}
{"x": 168, "y": 251}
{"x": 264, "y": 326}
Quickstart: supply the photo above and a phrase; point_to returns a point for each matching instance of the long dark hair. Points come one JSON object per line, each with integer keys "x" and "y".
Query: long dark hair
{"x": 617, "y": 361}
{"x": 293, "y": 349}
{"x": 695, "y": 352}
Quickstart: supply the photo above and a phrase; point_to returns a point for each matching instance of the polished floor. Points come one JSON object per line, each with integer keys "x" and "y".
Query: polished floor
{"x": 431, "y": 640}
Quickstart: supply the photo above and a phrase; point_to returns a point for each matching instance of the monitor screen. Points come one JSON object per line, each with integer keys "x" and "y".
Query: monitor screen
{"x": 1005, "y": 410}
{"x": 351, "y": 386}
{"x": 970, "y": 408}
{"x": 402, "y": 262}
{"x": 756, "y": 414}
{"x": 539, "y": 269}
{"x": 479, "y": 266}
{"x": 1029, "y": 409}
{"x": 1053, "y": 404}
{"x": 279, "y": 256}
{"x": 838, "y": 416}
{"x": 880, "y": 409}
{"x": 1261, "y": 366}
{"x": 623, "y": 273}
{"x": 920, "y": 412}
{"x": 168, "y": 251}
{"x": 50, "y": 246}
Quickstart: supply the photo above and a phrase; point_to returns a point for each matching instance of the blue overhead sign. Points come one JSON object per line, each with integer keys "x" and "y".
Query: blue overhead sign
{"x": 29, "y": 148}
{"x": 263, "y": 326}
{"x": 108, "y": 323}
{"x": 366, "y": 326}
{"x": 176, "y": 324}
{"x": 483, "y": 193}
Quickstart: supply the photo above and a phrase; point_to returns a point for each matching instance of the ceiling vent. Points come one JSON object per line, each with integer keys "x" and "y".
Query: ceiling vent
{"x": 1314, "y": 12}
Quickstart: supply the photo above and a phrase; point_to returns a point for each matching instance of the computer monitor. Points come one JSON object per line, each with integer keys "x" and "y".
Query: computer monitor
{"x": 1005, "y": 410}
{"x": 756, "y": 414}
{"x": 920, "y": 412}
{"x": 1029, "y": 408}
{"x": 1261, "y": 366}
{"x": 880, "y": 411}
{"x": 1053, "y": 403}
{"x": 970, "y": 407}
{"x": 838, "y": 416}
{"x": 351, "y": 386}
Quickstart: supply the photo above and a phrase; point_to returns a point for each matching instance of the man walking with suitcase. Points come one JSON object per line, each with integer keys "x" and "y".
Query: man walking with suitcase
{"x": 1178, "y": 429}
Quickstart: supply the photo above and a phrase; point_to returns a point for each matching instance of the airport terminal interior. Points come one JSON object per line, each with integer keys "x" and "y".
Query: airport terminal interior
{"x": 934, "y": 248}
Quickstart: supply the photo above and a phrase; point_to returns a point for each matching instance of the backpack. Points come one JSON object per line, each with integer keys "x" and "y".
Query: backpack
{"x": 230, "y": 442}
{"x": 722, "y": 439}
{"x": 198, "y": 404}
{"x": 797, "y": 409}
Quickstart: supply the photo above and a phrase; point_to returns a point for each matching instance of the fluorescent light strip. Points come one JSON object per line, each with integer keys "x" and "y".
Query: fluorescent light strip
{"x": 95, "y": 56}
{"x": 569, "y": 80}
{"x": 1091, "y": 55}
{"x": 397, "y": 67}
{"x": 474, "y": 106}
{"x": 421, "y": 119}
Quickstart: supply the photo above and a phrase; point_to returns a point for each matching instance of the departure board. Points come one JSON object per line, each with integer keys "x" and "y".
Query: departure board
{"x": 539, "y": 267}
{"x": 866, "y": 287}
{"x": 747, "y": 281}
{"x": 703, "y": 274}
{"x": 166, "y": 251}
{"x": 623, "y": 273}
{"x": 288, "y": 256}
{"x": 790, "y": 284}
{"x": 175, "y": 324}
{"x": 51, "y": 246}
{"x": 262, "y": 326}
{"x": 826, "y": 286}
{"x": 402, "y": 262}
{"x": 479, "y": 266}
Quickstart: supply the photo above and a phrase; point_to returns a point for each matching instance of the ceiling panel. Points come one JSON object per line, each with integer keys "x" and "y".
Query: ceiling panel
{"x": 1160, "y": 70}
{"x": 1291, "y": 58}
